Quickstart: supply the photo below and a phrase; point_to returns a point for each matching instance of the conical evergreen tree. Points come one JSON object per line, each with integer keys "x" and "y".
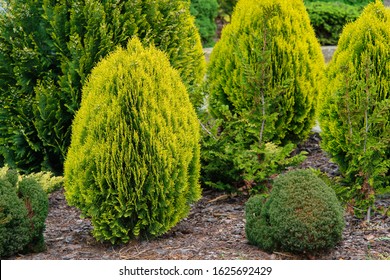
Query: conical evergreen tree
{"x": 263, "y": 78}
{"x": 133, "y": 164}
{"x": 355, "y": 114}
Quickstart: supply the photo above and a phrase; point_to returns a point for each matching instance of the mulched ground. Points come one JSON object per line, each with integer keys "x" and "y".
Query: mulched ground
{"x": 214, "y": 230}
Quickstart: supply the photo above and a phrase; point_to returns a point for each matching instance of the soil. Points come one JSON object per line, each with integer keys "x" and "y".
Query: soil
{"x": 214, "y": 230}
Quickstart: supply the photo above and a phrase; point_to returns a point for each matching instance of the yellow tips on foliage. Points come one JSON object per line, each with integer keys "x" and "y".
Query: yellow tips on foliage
{"x": 355, "y": 114}
{"x": 133, "y": 165}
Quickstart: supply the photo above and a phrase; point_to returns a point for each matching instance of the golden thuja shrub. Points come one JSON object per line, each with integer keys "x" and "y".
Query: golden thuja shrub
{"x": 355, "y": 108}
{"x": 263, "y": 80}
{"x": 133, "y": 164}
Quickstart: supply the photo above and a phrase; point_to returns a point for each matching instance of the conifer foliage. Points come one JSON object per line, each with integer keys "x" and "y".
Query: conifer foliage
{"x": 23, "y": 211}
{"x": 205, "y": 12}
{"x": 355, "y": 114}
{"x": 27, "y": 56}
{"x": 301, "y": 215}
{"x": 263, "y": 81}
{"x": 133, "y": 164}
{"x": 47, "y": 50}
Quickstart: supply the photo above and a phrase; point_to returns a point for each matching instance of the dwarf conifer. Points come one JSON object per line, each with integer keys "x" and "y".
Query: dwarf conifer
{"x": 263, "y": 80}
{"x": 133, "y": 164}
{"x": 355, "y": 114}
{"x": 301, "y": 215}
{"x": 23, "y": 211}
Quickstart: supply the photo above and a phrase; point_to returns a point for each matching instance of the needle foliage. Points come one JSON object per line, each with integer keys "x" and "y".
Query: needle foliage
{"x": 133, "y": 164}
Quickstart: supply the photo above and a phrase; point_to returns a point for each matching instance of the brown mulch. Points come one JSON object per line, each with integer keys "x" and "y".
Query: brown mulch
{"x": 214, "y": 230}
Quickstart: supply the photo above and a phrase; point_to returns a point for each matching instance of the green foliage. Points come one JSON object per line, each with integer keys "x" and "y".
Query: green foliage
{"x": 37, "y": 204}
{"x": 349, "y": 2}
{"x": 14, "y": 224}
{"x": 26, "y": 56}
{"x": 228, "y": 164}
{"x": 205, "y": 12}
{"x": 301, "y": 215}
{"x": 329, "y": 18}
{"x": 23, "y": 211}
{"x": 133, "y": 165}
{"x": 257, "y": 228}
{"x": 356, "y": 107}
{"x": 48, "y": 48}
{"x": 47, "y": 180}
{"x": 263, "y": 80}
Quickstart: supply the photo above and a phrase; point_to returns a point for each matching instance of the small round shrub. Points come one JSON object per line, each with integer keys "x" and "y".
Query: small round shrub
{"x": 355, "y": 108}
{"x": 301, "y": 215}
{"x": 133, "y": 164}
{"x": 23, "y": 211}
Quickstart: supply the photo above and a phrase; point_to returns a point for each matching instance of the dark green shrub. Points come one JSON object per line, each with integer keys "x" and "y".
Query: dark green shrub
{"x": 23, "y": 211}
{"x": 329, "y": 18}
{"x": 356, "y": 107}
{"x": 37, "y": 204}
{"x": 263, "y": 80}
{"x": 205, "y": 12}
{"x": 27, "y": 55}
{"x": 301, "y": 215}
{"x": 257, "y": 228}
{"x": 14, "y": 224}
{"x": 133, "y": 165}
{"x": 48, "y": 48}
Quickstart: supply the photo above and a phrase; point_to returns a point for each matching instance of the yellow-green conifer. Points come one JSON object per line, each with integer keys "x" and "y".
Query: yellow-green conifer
{"x": 133, "y": 164}
{"x": 263, "y": 80}
{"x": 355, "y": 114}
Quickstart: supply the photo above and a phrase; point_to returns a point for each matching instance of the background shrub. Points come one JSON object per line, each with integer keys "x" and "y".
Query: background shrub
{"x": 133, "y": 165}
{"x": 301, "y": 215}
{"x": 23, "y": 211}
{"x": 27, "y": 56}
{"x": 356, "y": 107}
{"x": 263, "y": 80}
{"x": 205, "y": 13}
{"x": 329, "y": 18}
{"x": 48, "y": 48}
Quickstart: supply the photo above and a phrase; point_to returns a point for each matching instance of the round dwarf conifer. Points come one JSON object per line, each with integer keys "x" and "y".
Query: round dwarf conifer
{"x": 301, "y": 215}
{"x": 133, "y": 164}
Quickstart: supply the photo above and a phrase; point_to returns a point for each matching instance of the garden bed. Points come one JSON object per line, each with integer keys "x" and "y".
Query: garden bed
{"x": 214, "y": 230}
